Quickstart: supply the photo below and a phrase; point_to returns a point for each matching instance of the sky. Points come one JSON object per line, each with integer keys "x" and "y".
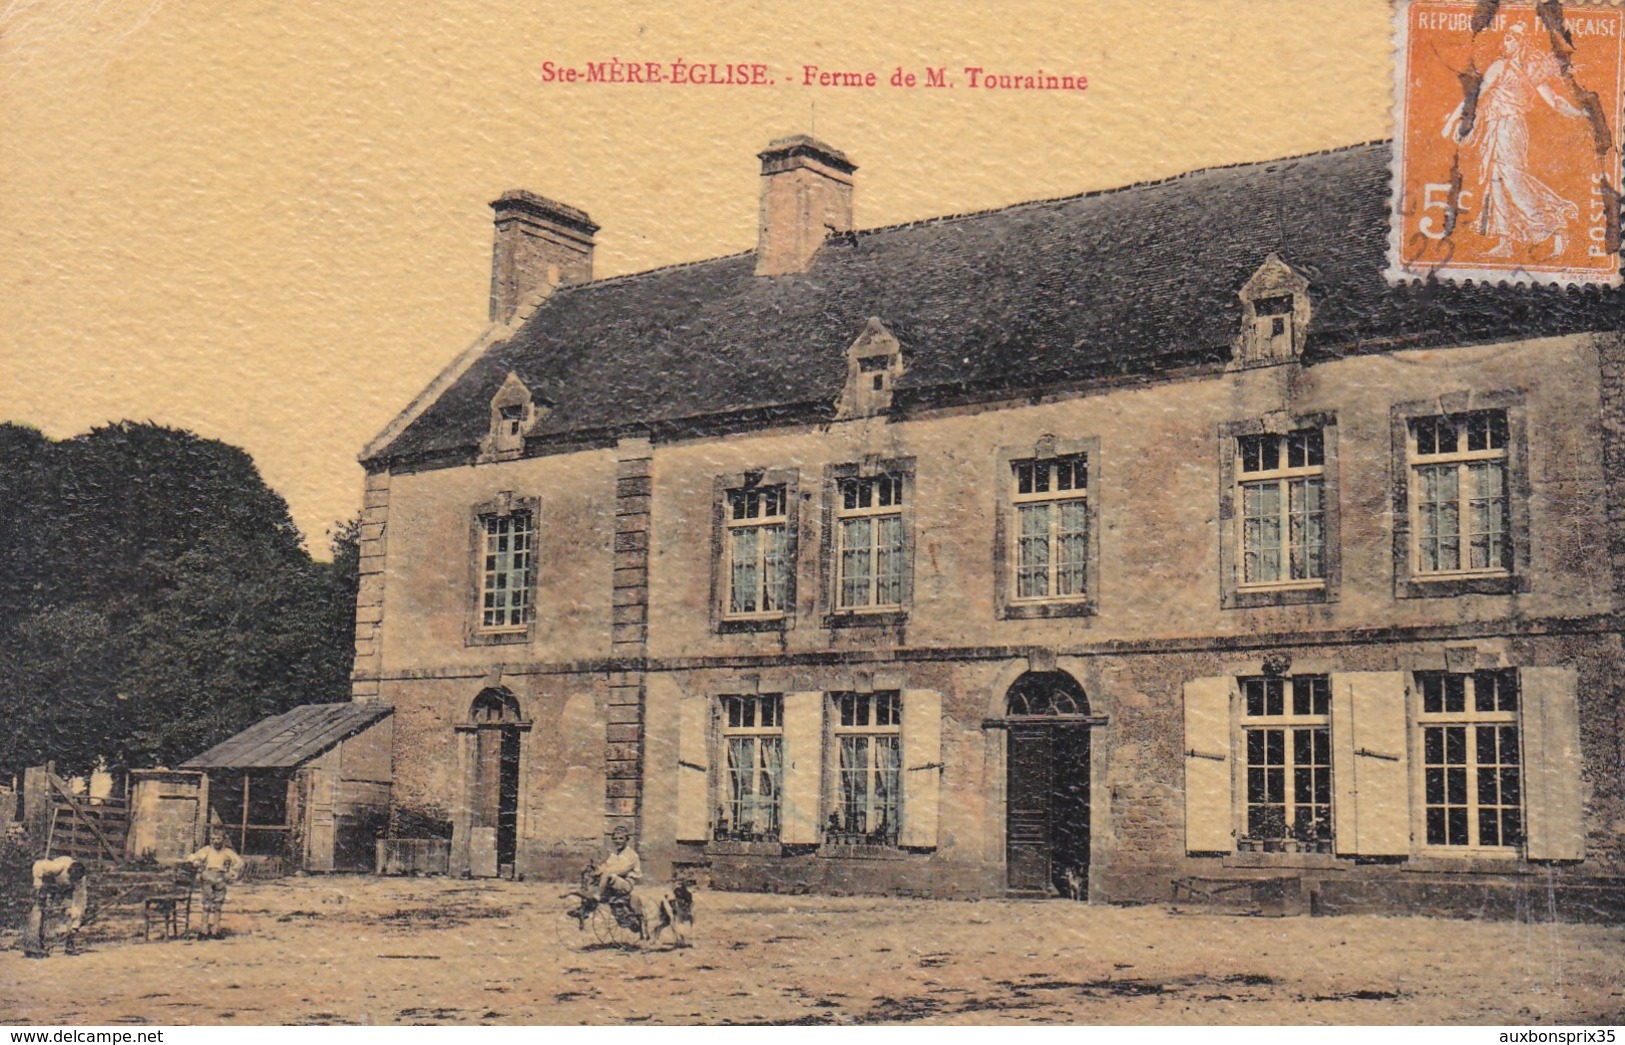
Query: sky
{"x": 268, "y": 222}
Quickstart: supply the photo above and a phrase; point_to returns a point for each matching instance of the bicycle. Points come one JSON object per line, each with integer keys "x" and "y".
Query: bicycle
{"x": 611, "y": 924}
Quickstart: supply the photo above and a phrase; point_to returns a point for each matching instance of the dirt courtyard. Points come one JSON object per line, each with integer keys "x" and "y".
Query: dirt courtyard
{"x": 363, "y": 950}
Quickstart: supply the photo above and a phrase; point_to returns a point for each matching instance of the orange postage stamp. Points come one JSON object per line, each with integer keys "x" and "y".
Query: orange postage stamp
{"x": 1506, "y": 135}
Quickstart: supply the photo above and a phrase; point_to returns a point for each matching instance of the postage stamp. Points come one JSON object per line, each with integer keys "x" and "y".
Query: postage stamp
{"x": 1506, "y": 142}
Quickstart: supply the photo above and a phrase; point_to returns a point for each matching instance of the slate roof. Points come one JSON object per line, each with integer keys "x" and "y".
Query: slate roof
{"x": 290, "y": 739}
{"x": 1026, "y": 298}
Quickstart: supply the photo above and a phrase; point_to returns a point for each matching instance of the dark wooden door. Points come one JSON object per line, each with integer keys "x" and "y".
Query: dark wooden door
{"x": 1047, "y": 815}
{"x": 1027, "y": 818}
{"x": 508, "y": 800}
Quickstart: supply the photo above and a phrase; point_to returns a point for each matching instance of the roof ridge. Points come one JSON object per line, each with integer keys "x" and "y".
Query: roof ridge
{"x": 1111, "y": 190}
{"x": 626, "y": 277}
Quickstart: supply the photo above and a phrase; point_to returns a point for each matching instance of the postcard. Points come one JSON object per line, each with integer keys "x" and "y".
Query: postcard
{"x": 820, "y": 515}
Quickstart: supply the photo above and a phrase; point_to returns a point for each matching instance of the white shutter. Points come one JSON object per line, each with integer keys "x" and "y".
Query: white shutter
{"x": 1371, "y": 791}
{"x": 1553, "y": 824}
{"x": 694, "y": 768}
{"x": 922, "y": 767}
{"x": 803, "y": 766}
{"x": 1209, "y": 815}
{"x": 482, "y": 852}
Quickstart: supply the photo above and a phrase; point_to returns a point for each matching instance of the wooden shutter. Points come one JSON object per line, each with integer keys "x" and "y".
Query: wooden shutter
{"x": 1371, "y": 789}
{"x": 694, "y": 768}
{"x": 1553, "y": 823}
{"x": 1209, "y": 814}
{"x": 482, "y": 852}
{"x": 803, "y": 767}
{"x": 922, "y": 767}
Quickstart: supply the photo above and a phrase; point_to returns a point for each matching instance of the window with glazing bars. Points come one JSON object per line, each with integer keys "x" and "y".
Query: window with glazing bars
{"x": 1289, "y": 767}
{"x": 869, "y": 551}
{"x": 508, "y": 565}
{"x": 1459, "y": 484}
{"x": 1471, "y": 766}
{"x": 1051, "y": 528}
{"x": 758, "y": 564}
{"x": 867, "y": 731}
{"x": 753, "y": 750}
{"x": 1283, "y": 512}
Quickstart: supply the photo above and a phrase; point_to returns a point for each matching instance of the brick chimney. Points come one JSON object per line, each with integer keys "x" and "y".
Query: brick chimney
{"x": 806, "y": 196}
{"x": 538, "y": 242}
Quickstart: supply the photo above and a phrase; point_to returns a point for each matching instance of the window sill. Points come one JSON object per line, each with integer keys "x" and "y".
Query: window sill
{"x": 497, "y": 638}
{"x": 1259, "y": 362}
{"x": 872, "y": 619}
{"x": 1465, "y": 861}
{"x": 725, "y": 847}
{"x": 834, "y": 851}
{"x": 1258, "y": 597}
{"x": 1047, "y": 610}
{"x": 1301, "y": 861}
{"x": 1451, "y": 585}
{"x": 745, "y": 625}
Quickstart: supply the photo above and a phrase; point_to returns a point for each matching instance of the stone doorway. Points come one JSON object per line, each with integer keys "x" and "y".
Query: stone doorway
{"x": 1047, "y": 829}
{"x": 494, "y": 813}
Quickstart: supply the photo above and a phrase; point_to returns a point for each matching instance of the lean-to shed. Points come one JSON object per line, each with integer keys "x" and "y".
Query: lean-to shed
{"x": 309, "y": 787}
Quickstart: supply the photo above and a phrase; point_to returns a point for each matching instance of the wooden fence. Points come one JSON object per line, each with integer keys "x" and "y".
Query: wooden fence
{"x": 86, "y": 830}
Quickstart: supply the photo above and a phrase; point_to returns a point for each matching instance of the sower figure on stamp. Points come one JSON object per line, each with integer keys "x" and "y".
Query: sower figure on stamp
{"x": 61, "y": 892}
{"x": 620, "y": 870}
{"x": 1515, "y": 206}
{"x": 219, "y": 865}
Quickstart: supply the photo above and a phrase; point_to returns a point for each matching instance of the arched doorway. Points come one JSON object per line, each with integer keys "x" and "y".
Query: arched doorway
{"x": 1047, "y": 793}
{"x": 494, "y": 812}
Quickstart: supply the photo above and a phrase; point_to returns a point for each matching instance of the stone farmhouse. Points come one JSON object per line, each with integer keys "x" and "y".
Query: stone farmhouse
{"x": 1147, "y": 540}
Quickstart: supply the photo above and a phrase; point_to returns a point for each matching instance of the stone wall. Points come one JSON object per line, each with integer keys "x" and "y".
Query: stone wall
{"x": 627, "y": 596}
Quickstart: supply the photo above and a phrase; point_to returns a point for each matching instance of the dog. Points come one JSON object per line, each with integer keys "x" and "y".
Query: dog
{"x": 660, "y": 908}
{"x": 1074, "y": 885}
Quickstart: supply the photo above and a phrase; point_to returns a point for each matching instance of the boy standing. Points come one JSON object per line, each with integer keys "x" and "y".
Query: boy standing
{"x": 219, "y": 865}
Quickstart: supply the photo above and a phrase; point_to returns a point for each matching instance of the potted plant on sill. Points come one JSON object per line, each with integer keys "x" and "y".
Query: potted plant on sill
{"x": 1272, "y": 829}
{"x": 1313, "y": 833}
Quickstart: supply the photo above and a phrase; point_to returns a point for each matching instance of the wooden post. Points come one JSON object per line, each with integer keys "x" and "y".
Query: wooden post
{"x": 37, "y": 805}
{"x": 242, "y": 841}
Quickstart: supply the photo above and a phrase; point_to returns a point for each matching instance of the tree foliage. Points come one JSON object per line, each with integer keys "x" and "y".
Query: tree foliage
{"x": 154, "y": 599}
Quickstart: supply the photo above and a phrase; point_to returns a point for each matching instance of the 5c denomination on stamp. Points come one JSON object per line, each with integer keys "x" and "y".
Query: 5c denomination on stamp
{"x": 1506, "y": 142}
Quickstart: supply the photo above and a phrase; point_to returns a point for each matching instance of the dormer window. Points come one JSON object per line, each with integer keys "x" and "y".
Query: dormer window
{"x": 1275, "y": 316}
{"x": 874, "y": 370}
{"x": 1274, "y": 320}
{"x": 874, "y": 363}
{"x": 512, "y": 414}
{"x": 513, "y": 418}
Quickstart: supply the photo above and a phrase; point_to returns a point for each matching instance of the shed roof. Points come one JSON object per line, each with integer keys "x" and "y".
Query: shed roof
{"x": 1006, "y": 302}
{"x": 291, "y": 738}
